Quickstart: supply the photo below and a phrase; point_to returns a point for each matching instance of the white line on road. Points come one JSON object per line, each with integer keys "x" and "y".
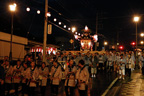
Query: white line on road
{"x": 106, "y": 91}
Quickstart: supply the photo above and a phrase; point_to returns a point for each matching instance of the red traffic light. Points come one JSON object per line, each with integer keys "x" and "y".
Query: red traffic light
{"x": 133, "y": 43}
{"x": 121, "y": 47}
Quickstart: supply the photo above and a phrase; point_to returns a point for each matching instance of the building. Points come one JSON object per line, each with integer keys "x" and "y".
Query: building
{"x": 18, "y": 46}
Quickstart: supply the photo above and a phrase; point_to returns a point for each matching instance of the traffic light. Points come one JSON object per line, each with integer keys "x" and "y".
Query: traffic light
{"x": 133, "y": 43}
{"x": 121, "y": 47}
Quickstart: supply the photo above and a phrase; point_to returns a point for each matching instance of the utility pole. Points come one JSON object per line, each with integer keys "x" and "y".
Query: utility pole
{"x": 96, "y": 30}
{"x": 45, "y": 31}
{"x": 117, "y": 41}
{"x": 10, "y": 57}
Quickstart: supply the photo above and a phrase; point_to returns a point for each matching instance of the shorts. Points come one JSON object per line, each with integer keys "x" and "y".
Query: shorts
{"x": 122, "y": 71}
{"x": 93, "y": 70}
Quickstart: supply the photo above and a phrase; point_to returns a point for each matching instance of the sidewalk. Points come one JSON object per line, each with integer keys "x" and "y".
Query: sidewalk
{"x": 133, "y": 87}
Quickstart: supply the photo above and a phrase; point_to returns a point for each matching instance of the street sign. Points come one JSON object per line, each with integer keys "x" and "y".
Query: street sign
{"x": 71, "y": 41}
{"x": 49, "y": 28}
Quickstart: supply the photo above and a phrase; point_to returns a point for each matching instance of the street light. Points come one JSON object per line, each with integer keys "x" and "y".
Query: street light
{"x": 105, "y": 44}
{"x": 73, "y": 29}
{"x": 12, "y": 8}
{"x": 136, "y": 20}
{"x": 142, "y": 34}
{"x": 38, "y": 11}
{"x": 142, "y": 42}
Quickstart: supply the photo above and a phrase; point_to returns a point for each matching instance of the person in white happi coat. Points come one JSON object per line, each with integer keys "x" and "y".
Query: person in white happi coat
{"x": 95, "y": 61}
{"x": 82, "y": 76}
{"x": 24, "y": 79}
{"x": 117, "y": 62}
{"x": 70, "y": 83}
{"x": 55, "y": 76}
{"x": 33, "y": 76}
{"x": 142, "y": 61}
{"x": 122, "y": 63}
{"x": 43, "y": 76}
{"x": 110, "y": 62}
{"x": 17, "y": 70}
{"x": 114, "y": 61}
{"x": 8, "y": 76}
{"x": 101, "y": 62}
{"x": 79, "y": 57}
{"x": 129, "y": 65}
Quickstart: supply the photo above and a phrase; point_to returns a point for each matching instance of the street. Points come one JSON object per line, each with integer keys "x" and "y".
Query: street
{"x": 97, "y": 85}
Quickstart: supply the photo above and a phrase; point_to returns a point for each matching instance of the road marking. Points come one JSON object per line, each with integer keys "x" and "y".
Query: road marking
{"x": 106, "y": 91}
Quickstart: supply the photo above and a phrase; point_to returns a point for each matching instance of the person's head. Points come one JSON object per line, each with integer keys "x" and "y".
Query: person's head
{"x": 55, "y": 63}
{"x": 143, "y": 54}
{"x": 117, "y": 54}
{"x": 32, "y": 64}
{"x": 18, "y": 62}
{"x": 7, "y": 63}
{"x": 43, "y": 64}
{"x": 121, "y": 55}
{"x": 25, "y": 65}
{"x": 81, "y": 63}
{"x": 5, "y": 58}
{"x": 129, "y": 56}
{"x": 71, "y": 62}
{"x": 70, "y": 53}
{"x": 62, "y": 55}
{"x": 83, "y": 54}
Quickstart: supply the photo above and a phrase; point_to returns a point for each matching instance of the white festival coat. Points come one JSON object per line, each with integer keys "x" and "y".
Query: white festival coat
{"x": 43, "y": 75}
{"x": 56, "y": 76}
{"x": 82, "y": 75}
{"x": 70, "y": 80}
{"x": 34, "y": 74}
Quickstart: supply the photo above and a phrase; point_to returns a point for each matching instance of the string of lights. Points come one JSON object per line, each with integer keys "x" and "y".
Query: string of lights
{"x": 54, "y": 20}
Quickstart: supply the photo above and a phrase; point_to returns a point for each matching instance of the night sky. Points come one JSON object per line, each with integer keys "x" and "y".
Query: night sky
{"x": 114, "y": 17}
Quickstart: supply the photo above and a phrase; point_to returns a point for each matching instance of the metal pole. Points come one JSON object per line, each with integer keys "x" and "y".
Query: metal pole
{"x": 136, "y": 47}
{"x": 73, "y": 42}
{"x": 96, "y": 30}
{"x": 45, "y": 30}
{"x": 10, "y": 57}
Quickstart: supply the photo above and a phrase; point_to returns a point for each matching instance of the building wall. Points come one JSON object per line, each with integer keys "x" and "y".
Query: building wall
{"x": 17, "y": 50}
{"x": 17, "y": 46}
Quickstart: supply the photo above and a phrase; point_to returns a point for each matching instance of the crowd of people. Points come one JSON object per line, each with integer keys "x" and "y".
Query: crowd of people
{"x": 75, "y": 69}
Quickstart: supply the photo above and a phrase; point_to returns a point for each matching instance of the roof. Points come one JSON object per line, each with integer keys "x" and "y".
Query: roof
{"x": 33, "y": 43}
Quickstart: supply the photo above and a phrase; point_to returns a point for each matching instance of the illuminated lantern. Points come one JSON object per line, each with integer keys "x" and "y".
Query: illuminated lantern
{"x": 27, "y": 9}
{"x": 76, "y": 36}
{"x": 48, "y": 14}
{"x": 86, "y": 41}
{"x": 86, "y": 28}
{"x": 38, "y": 11}
{"x": 95, "y": 37}
{"x": 55, "y": 19}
